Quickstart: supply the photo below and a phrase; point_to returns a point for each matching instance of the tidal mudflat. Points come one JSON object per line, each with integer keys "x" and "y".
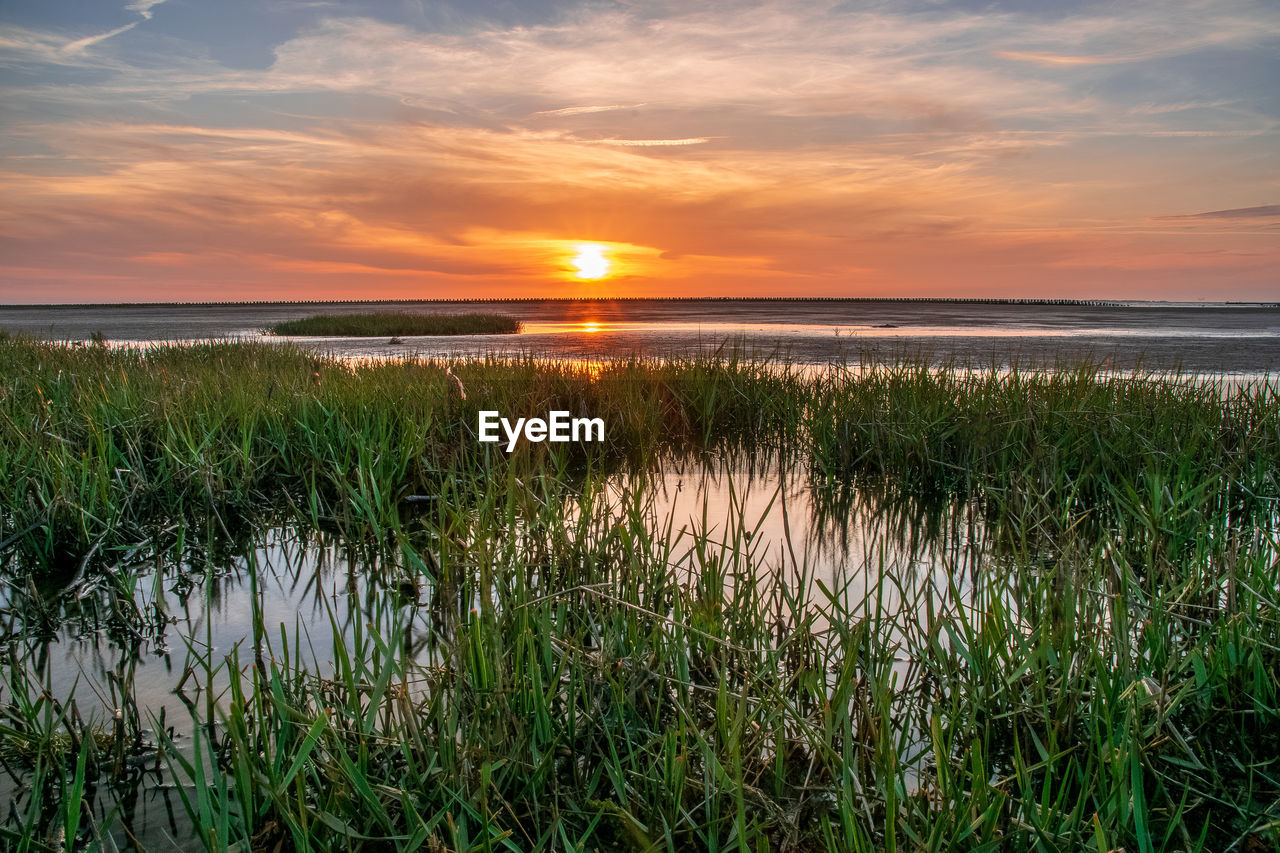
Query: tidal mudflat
{"x": 261, "y": 598}
{"x": 1202, "y": 338}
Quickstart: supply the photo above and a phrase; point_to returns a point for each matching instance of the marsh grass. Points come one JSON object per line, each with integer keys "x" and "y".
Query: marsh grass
{"x": 98, "y": 441}
{"x": 1092, "y": 663}
{"x": 397, "y": 323}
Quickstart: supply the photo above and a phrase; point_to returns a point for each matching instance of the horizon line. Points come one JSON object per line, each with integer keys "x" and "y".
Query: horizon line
{"x": 1088, "y": 303}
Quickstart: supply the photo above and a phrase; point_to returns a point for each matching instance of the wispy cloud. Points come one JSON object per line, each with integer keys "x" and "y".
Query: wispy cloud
{"x": 1141, "y": 31}
{"x": 1060, "y": 60}
{"x": 577, "y": 111}
{"x": 1262, "y": 211}
{"x": 1180, "y": 106}
{"x": 651, "y": 143}
{"x": 89, "y": 41}
{"x": 142, "y": 7}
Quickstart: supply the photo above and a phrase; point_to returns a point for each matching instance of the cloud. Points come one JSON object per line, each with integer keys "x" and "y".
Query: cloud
{"x": 1064, "y": 60}
{"x": 651, "y": 143}
{"x": 1161, "y": 109}
{"x": 142, "y": 7}
{"x": 1262, "y": 211}
{"x": 80, "y": 44}
{"x": 576, "y": 111}
{"x": 1141, "y": 31}
{"x": 772, "y": 59}
{"x": 779, "y": 59}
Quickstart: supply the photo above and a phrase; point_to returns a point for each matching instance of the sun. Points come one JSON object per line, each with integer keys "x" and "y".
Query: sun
{"x": 591, "y": 262}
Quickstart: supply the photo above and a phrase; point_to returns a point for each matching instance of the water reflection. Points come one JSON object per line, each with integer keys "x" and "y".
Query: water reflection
{"x": 134, "y": 647}
{"x": 757, "y": 513}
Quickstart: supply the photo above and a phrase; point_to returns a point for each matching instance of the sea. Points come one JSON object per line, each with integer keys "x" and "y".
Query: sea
{"x": 1237, "y": 339}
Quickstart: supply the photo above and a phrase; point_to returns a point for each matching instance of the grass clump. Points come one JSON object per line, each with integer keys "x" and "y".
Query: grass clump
{"x": 396, "y": 323}
{"x": 1169, "y": 458}
{"x": 95, "y": 442}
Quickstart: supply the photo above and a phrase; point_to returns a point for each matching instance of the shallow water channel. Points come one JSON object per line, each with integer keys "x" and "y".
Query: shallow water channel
{"x": 156, "y": 633}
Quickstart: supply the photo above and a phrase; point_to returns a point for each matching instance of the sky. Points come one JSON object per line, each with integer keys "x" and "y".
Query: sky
{"x": 209, "y": 150}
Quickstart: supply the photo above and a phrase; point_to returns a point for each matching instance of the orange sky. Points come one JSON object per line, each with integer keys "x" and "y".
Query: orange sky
{"x": 779, "y": 148}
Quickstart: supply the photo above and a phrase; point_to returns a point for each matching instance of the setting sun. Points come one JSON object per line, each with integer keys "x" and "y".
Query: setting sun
{"x": 591, "y": 262}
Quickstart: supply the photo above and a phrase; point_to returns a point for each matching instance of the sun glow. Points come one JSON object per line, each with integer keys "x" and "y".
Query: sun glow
{"x": 590, "y": 261}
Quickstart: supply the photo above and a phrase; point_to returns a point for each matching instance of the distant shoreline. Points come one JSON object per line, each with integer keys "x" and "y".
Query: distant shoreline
{"x": 923, "y": 300}
{"x": 1200, "y": 337}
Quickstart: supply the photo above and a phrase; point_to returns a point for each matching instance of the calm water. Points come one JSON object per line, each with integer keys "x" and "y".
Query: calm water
{"x": 1215, "y": 338}
{"x": 141, "y": 627}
